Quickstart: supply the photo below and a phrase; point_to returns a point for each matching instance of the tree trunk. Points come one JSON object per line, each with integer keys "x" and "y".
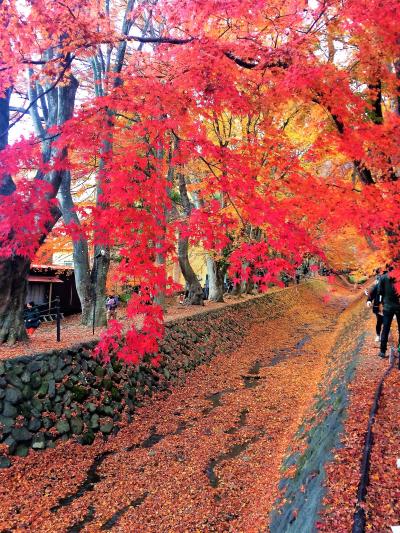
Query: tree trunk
{"x": 97, "y": 289}
{"x": 60, "y": 106}
{"x": 101, "y": 261}
{"x": 82, "y": 278}
{"x": 195, "y": 296}
{"x": 90, "y": 284}
{"x": 13, "y": 290}
{"x": 14, "y": 270}
{"x": 237, "y": 289}
{"x": 246, "y": 285}
{"x": 80, "y": 251}
{"x": 216, "y": 280}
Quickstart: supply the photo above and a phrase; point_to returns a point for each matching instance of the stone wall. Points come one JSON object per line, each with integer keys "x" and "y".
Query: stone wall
{"x": 67, "y": 393}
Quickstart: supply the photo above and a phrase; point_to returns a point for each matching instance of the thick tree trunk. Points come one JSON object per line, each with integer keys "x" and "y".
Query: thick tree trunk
{"x": 195, "y": 296}
{"x": 237, "y": 289}
{"x": 216, "y": 280}
{"x": 397, "y": 70}
{"x": 95, "y": 292}
{"x": 82, "y": 278}
{"x": 90, "y": 283}
{"x": 96, "y": 312}
{"x": 244, "y": 284}
{"x": 80, "y": 249}
{"x": 14, "y": 270}
{"x": 61, "y": 101}
{"x": 13, "y": 289}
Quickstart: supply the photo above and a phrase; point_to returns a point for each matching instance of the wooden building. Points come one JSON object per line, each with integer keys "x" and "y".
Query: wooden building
{"x": 46, "y": 282}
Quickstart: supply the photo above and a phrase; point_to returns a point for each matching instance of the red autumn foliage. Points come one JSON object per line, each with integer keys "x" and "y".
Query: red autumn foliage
{"x": 214, "y": 98}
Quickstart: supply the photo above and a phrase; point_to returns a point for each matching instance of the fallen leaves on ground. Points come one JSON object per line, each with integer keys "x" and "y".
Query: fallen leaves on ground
{"x": 343, "y": 473}
{"x": 204, "y": 458}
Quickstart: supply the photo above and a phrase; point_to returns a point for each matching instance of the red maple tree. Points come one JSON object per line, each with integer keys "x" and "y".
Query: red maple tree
{"x": 272, "y": 125}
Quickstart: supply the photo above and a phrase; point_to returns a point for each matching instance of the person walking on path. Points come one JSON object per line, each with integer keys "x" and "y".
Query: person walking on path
{"x": 374, "y": 300}
{"x": 206, "y": 290}
{"x": 31, "y": 318}
{"x": 391, "y": 307}
{"x": 112, "y": 306}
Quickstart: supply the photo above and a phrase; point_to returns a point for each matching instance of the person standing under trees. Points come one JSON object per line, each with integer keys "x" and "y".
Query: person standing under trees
{"x": 206, "y": 290}
{"x": 391, "y": 307}
{"x": 112, "y": 303}
{"x": 374, "y": 300}
{"x": 31, "y": 318}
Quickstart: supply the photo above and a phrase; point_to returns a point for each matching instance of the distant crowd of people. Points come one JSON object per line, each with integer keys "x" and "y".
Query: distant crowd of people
{"x": 385, "y": 303}
{"x": 302, "y": 272}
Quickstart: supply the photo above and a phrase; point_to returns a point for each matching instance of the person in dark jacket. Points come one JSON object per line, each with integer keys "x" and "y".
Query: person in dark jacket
{"x": 206, "y": 290}
{"x": 112, "y": 304}
{"x": 391, "y": 308}
{"x": 373, "y": 301}
{"x": 31, "y": 318}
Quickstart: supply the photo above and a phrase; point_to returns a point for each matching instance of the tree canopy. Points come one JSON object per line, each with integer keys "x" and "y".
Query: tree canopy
{"x": 277, "y": 121}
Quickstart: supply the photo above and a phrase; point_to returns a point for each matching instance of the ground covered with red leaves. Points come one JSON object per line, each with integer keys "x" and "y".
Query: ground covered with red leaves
{"x": 205, "y": 457}
{"x": 343, "y": 474}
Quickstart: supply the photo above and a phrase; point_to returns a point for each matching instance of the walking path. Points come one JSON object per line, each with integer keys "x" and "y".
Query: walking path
{"x": 343, "y": 474}
{"x": 204, "y": 458}
{"x": 73, "y": 332}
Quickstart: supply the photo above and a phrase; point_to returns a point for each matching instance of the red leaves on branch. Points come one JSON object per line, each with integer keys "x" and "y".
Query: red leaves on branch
{"x": 23, "y": 218}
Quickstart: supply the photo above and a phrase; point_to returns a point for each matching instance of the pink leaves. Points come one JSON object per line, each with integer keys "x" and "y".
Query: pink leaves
{"x": 24, "y": 216}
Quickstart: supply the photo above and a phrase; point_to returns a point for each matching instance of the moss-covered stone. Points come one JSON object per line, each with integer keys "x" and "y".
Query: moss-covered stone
{"x": 63, "y": 427}
{"x": 91, "y": 407}
{"x": 27, "y": 392}
{"x": 47, "y": 422}
{"x": 94, "y": 421}
{"x": 100, "y": 372}
{"x": 9, "y": 410}
{"x": 4, "y": 461}
{"x": 34, "y": 424}
{"x": 22, "y": 450}
{"x": 106, "y": 427}
{"x": 80, "y": 393}
{"x": 44, "y": 386}
{"x": 21, "y": 434}
{"x": 11, "y": 443}
{"x": 87, "y": 438}
{"x": 37, "y": 404}
{"x": 13, "y": 395}
{"x": 76, "y": 424}
{"x": 39, "y": 442}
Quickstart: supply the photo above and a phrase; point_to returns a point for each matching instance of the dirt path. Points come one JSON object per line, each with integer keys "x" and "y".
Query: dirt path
{"x": 205, "y": 458}
{"x": 73, "y": 332}
{"x": 343, "y": 474}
